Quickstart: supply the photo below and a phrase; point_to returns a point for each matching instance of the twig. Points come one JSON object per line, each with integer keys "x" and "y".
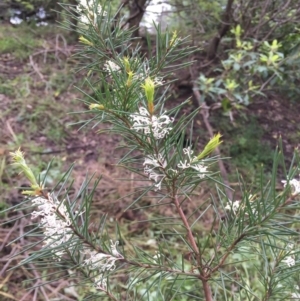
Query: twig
{"x": 66, "y": 149}
{"x": 9, "y": 260}
{"x": 36, "y": 69}
{"x": 8, "y": 235}
{"x": 203, "y": 275}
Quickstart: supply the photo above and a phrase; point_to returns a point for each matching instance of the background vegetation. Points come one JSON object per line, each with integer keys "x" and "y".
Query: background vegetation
{"x": 245, "y": 77}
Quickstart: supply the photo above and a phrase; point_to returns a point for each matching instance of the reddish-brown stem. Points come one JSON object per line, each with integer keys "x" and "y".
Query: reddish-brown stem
{"x": 223, "y": 259}
{"x": 187, "y": 226}
{"x": 206, "y": 287}
{"x": 137, "y": 264}
{"x": 207, "y": 291}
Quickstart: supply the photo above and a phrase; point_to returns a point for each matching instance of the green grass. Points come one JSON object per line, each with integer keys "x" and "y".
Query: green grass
{"x": 245, "y": 144}
{"x": 35, "y": 101}
{"x": 19, "y": 41}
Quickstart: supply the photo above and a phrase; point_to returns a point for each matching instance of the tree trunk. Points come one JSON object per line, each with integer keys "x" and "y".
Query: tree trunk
{"x": 136, "y": 13}
{"x": 224, "y": 27}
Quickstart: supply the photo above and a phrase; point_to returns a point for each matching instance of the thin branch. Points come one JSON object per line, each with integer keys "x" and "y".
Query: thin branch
{"x": 203, "y": 275}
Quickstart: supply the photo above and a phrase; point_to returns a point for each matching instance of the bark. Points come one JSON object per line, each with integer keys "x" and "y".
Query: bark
{"x": 136, "y": 13}
{"x": 226, "y": 21}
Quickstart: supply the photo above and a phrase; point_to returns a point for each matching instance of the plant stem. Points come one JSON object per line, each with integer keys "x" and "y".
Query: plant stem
{"x": 187, "y": 226}
{"x": 206, "y": 287}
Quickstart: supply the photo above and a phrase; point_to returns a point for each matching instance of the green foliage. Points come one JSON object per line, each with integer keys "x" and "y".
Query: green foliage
{"x": 31, "y": 5}
{"x": 27, "y": 5}
{"x": 197, "y": 18}
{"x": 244, "y": 74}
{"x": 250, "y": 64}
{"x": 252, "y": 234}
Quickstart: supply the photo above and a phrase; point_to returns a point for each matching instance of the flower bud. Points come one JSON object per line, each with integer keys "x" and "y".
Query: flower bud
{"x": 210, "y": 147}
{"x": 129, "y": 79}
{"x": 149, "y": 87}
{"x": 85, "y": 41}
{"x": 126, "y": 64}
{"x": 96, "y": 106}
{"x": 19, "y": 161}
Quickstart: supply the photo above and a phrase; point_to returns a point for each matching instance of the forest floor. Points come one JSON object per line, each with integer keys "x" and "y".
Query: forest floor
{"x": 37, "y": 95}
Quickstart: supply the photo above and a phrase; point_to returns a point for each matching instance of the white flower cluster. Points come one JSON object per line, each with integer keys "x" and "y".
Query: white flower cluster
{"x": 189, "y": 162}
{"x": 88, "y": 12}
{"x": 158, "y": 81}
{"x": 290, "y": 259}
{"x": 155, "y": 167}
{"x": 152, "y": 168}
{"x": 145, "y": 73}
{"x": 296, "y": 295}
{"x": 295, "y": 184}
{"x": 234, "y": 206}
{"x": 153, "y": 125}
{"x": 56, "y": 230}
{"x": 55, "y": 221}
{"x": 102, "y": 263}
{"x": 111, "y": 66}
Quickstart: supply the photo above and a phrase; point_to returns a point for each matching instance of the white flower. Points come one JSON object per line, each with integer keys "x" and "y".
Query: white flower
{"x": 188, "y": 163}
{"x": 188, "y": 152}
{"x": 88, "y": 6}
{"x": 157, "y": 126}
{"x": 158, "y": 81}
{"x": 56, "y": 229}
{"x": 88, "y": 12}
{"x": 151, "y": 163}
{"x": 100, "y": 283}
{"x": 100, "y": 261}
{"x": 172, "y": 172}
{"x": 154, "y": 176}
{"x": 201, "y": 170}
{"x": 234, "y": 206}
{"x": 295, "y": 184}
{"x": 114, "y": 250}
{"x": 84, "y": 19}
{"x": 150, "y": 160}
{"x": 184, "y": 164}
{"x": 158, "y": 185}
{"x": 141, "y": 75}
{"x": 296, "y": 296}
{"x": 111, "y": 66}
{"x": 155, "y": 162}
{"x": 290, "y": 261}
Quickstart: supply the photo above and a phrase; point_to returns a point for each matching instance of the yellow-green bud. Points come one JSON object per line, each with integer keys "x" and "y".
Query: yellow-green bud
{"x": 210, "y": 146}
{"x": 174, "y": 38}
{"x": 129, "y": 79}
{"x": 85, "y": 41}
{"x": 126, "y": 64}
{"x": 149, "y": 87}
{"x": 19, "y": 161}
{"x": 96, "y": 106}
